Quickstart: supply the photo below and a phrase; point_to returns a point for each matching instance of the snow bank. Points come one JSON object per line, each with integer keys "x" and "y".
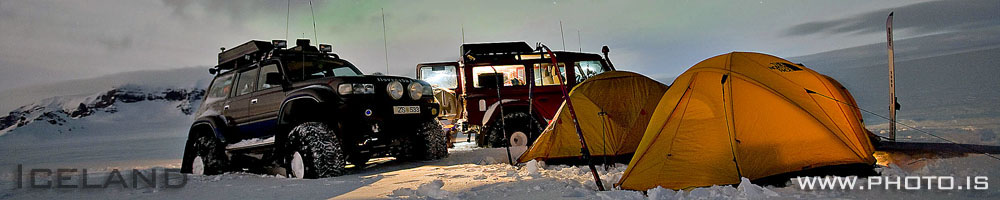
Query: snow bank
{"x": 582, "y": 185}
{"x": 532, "y": 167}
{"x": 430, "y": 190}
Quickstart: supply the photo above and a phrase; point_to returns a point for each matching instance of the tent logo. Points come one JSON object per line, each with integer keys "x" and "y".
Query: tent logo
{"x": 784, "y": 67}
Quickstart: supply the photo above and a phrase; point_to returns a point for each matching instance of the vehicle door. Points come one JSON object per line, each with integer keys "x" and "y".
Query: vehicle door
{"x": 266, "y": 101}
{"x": 444, "y": 77}
{"x": 239, "y": 103}
{"x": 548, "y": 91}
{"x": 216, "y": 99}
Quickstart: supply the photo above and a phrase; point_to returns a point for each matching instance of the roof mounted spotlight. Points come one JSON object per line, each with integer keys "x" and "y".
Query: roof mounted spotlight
{"x": 325, "y": 48}
{"x": 279, "y": 44}
{"x": 302, "y": 42}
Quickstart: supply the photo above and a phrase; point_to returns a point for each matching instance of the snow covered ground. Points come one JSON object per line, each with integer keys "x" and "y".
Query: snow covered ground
{"x": 477, "y": 173}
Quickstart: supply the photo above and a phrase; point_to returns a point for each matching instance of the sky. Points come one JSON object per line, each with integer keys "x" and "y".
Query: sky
{"x": 43, "y": 41}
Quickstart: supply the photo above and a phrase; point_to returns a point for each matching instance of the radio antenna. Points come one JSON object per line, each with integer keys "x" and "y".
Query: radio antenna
{"x": 315, "y": 36}
{"x": 463, "y": 33}
{"x": 385, "y": 43}
{"x": 288, "y": 11}
{"x": 579, "y": 40}
{"x": 562, "y": 35}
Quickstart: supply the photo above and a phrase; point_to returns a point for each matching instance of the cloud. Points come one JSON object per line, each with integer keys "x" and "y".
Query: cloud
{"x": 236, "y": 11}
{"x": 926, "y": 17}
{"x": 178, "y": 6}
{"x": 116, "y": 44}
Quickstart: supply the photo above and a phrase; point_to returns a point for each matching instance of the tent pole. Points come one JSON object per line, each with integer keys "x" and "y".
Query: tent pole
{"x": 604, "y": 134}
{"x": 503, "y": 123}
{"x": 584, "y": 151}
{"x": 531, "y": 104}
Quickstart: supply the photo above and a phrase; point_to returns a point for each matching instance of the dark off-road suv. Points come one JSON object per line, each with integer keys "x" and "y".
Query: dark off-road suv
{"x": 305, "y": 112}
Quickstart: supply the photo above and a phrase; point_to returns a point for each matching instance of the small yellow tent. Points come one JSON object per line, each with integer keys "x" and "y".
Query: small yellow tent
{"x": 612, "y": 109}
{"x": 746, "y": 115}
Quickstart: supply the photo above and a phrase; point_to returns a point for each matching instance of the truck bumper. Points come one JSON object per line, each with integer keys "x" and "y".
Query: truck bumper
{"x": 373, "y": 129}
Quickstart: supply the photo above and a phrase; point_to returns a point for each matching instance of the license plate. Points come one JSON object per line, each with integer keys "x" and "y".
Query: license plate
{"x": 405, "y": 110}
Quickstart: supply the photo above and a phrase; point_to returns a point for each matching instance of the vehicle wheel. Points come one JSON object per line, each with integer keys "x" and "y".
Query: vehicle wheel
{"x": 518, "y": 139}
{"x": 360, "y": 161}
{"x": 205, "y": 155}
{"x": 314, "y": 151}
{"x": 429, "y": 143}
{"x": 517, "y": 130}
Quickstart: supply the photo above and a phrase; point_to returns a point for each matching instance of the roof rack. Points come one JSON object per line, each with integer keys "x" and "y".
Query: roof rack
{"x": 500, "y": 48}
{"x": 229, "y": 59}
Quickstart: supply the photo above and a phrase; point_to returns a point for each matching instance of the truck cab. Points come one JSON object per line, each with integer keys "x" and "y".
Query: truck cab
{"x": 493, "y": 74}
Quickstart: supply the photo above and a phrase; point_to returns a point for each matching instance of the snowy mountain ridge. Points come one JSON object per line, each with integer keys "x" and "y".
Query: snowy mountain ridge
{"x": 56, "y": 111}
{"x": 186, "y": 77}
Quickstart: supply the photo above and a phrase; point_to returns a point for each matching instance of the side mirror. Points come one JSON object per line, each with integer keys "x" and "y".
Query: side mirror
{"x": 605, "y": 50}
{"x": 273, "y": 78}
{"x": 490, "y": 80}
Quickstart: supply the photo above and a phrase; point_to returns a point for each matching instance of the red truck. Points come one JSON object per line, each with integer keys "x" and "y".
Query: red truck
{"x": 467, "y": 90}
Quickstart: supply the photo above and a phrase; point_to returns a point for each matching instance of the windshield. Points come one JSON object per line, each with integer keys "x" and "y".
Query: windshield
{"x": 440, "y": 76}
{"x": 299, "y": 70}
{"x": 587, "y": 69}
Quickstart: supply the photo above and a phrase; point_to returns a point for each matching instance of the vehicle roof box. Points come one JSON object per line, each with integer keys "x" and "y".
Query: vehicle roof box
{"x": 500, "y": 48}
{"x": 228, "y": 59}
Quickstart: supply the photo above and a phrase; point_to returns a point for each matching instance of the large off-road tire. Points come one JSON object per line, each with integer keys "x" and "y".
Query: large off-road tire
{"x": 428, "y": 143}
{"x": 517, "y": 129}
{"x": 314, "y": 151}
{"x": 205, "y": 155}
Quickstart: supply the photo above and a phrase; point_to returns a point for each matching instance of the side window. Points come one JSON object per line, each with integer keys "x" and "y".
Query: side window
{"x": 262, "y": 79}
{"x": 344, "y": 71}
{"x": 247, "y": 82}
{"x": 513, "y": 75}
{"x": 221, "y": 86}
{"x": 546, "y": 75}
{"x": 587, "y": 69}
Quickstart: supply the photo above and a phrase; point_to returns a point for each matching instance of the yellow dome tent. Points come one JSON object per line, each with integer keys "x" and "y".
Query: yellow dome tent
{"x": 612, "y": 109}
{"x": 746, "y": 115}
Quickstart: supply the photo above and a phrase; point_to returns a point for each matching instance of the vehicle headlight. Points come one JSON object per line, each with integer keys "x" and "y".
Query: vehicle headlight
{"x": 416, "y": 90}
{"x": 364, "y": 88}
{"x": 345, "y": 89}
{"x": 356, "y": 88}
{"x": 395, "y": 90}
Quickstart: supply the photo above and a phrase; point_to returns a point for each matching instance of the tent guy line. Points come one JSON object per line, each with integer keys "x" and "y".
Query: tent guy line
{"x": 906, "y": 125}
